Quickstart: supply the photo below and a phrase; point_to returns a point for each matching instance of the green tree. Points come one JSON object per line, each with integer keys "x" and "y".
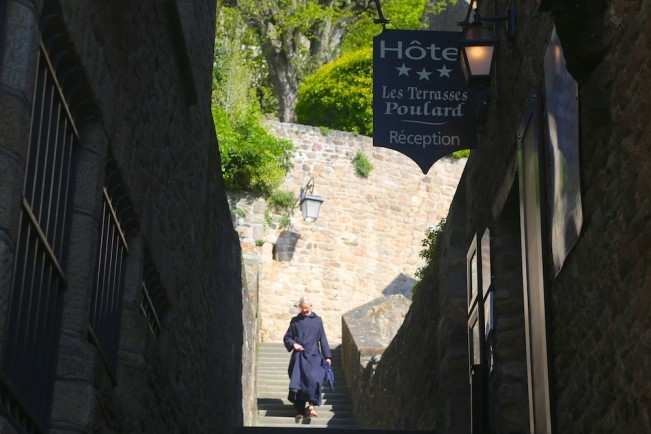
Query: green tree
{"x": 403, "y": 14}
{"x": 296, "y": 37}
{"x": 339, "y": 94}
{"x": 252, "y": 159}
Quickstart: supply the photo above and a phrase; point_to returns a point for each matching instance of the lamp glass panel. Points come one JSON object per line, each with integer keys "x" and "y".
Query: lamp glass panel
{"x": 480, "y": 58}
{"x": 310, "y": 209}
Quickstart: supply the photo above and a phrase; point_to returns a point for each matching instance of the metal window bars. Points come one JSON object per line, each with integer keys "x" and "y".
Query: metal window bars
{"x": 154, "y": 302}
{"x": 149, "y": 311}
{"x": 29, "y": 363}
{"x": 106, "y": 297}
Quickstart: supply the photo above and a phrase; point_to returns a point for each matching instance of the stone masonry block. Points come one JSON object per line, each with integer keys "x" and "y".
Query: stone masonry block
{"x": 11, "y": 188}
{"x": 6, "y": 427}
{"x": 73, "y": 406}
{"x": 14, "y": 124}
{"x": 21, "y": 49}
{"x": 80, "y": 272}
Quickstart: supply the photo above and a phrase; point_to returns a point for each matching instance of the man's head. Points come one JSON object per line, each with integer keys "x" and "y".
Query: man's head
{"x": 304, "y": 306}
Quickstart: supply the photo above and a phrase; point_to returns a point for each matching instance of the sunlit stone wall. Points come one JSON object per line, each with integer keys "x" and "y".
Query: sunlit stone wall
{"x": 367, "y": 240}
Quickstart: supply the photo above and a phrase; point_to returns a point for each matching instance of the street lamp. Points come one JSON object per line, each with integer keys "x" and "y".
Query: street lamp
{"x": 309, "y": 203}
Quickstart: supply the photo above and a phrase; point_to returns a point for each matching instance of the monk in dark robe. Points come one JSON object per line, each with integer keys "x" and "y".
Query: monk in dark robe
{"x": 311, "y": 356}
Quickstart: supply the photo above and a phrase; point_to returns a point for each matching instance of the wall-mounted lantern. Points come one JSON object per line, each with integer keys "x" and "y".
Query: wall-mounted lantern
{"x": 309, "y": 203}
{"x": 477, "y": 50}
{"x": 478, "y": 43}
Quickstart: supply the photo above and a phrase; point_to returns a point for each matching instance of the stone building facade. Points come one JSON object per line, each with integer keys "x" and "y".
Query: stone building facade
{"x": 569, "y": 348}
{"x": 120, "y": 283}
{"x": 366, "y": 241}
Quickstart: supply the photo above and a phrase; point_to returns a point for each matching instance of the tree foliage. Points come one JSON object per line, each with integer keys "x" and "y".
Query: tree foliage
{"x": 339, "y": 94}
{"x": 429, "y": 248}
{"x": 403, "y": 14}
{"x": 296, "y": 37}
{"x": 252, "y": 159}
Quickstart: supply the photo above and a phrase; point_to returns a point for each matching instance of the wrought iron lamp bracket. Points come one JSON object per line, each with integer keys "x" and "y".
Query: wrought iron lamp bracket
{"x": 307, "y": 189}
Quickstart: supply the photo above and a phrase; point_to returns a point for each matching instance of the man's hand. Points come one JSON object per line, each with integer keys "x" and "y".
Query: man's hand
{"x": 329, "y": 362}
{"x": 298, "y": 347}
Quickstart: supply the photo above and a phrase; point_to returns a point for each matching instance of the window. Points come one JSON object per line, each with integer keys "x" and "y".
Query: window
{"x": 473, "y": 277}
{"x": 38, "y": 280}
{"x": 488, "y": 302}
{"x": 106, "y": 298}
{"x": 477, "y": 284}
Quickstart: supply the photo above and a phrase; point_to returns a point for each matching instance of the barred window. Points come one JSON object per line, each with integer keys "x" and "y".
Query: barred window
{"x": 106, "y": 298}
{"x": 38, "y": 280}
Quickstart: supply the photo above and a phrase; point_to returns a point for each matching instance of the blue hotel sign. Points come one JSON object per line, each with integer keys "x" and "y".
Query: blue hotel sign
{"x": 421, "y": 105}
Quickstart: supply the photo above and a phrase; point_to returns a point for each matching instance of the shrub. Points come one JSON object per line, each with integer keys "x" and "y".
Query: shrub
{"x": 282, "y": 201}
{"x": 339, "y": 94}
{"x": 252, "y": 159}
{"x": 362, "y": 166}
{"x": 429, "y": 244}
{"x": 464, "y": 153}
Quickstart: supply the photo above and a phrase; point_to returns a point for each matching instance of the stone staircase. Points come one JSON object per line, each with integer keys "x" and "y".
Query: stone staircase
{"x": 274, "y": 410}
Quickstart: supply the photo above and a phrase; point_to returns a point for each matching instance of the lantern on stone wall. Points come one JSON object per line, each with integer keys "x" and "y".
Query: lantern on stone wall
{"x": 309, "y": 203}
{"x": 477, "y": 50}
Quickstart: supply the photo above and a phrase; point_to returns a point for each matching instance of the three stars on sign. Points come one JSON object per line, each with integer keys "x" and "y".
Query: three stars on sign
{"x": 424, "y": 74}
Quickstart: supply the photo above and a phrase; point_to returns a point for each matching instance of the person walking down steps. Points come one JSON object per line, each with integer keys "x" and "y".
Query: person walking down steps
{"x": 310, "y": 359}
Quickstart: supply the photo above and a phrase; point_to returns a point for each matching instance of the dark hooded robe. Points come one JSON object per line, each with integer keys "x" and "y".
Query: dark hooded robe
{"x": 307, "y": 369}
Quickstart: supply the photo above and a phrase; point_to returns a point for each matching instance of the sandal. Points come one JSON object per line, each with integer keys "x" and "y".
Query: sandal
{"x": 310, "y": 412}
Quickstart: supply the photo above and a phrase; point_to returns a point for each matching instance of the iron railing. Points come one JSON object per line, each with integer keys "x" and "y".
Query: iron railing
{"x": 38, "y": 280}
{"x": 106, "y": 298}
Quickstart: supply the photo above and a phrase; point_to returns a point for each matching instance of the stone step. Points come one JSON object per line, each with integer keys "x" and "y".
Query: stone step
{"x": 276, "y": 367}
{"x": 281, "y": 357}
{"x": 283, "y": 390}
{"x": 281, "y": 346}
{"x": 282, "y": 366}
{"x": 278, "y": 390}
{"x": 283, "y": 353}
{"x": 283, "y": 379}
{"x": 284, "y": 404}
{"x": 282, "y": 373}
{"x": 283, "y": 383}
{"x": 283, "y": 376}
{"x": 339, "y": 402}
{"x": 282, "y": 428}
{"x": 336, "y": 422}
{"x": 289, "y": 411}
{"x": 298, "y": 429}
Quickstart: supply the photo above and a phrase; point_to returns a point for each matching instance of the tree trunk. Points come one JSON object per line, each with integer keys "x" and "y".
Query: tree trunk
{"x": 284, "y": 80}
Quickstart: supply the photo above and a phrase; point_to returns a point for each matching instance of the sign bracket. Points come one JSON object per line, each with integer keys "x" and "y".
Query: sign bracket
{"x": 381, "y": 19}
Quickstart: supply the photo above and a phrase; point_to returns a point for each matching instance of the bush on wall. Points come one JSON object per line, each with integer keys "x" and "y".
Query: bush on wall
{"x": 362, "y": 166}
{"x": 252, "y": 159}
{"x": 339, "y": 94}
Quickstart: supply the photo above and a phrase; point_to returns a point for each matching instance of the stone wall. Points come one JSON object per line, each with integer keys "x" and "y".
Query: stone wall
{"x": 599, "y": 329}
{"x": 366, "y": 241}
{"x": 137, "y": 78}
{"x": 367, "y": 332}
